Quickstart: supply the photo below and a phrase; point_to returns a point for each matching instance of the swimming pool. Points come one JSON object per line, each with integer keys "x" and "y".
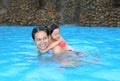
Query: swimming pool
{"x": 19, "y": 62}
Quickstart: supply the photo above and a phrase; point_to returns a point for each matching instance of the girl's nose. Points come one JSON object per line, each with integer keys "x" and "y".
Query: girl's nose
{"x": 58, "y": 35}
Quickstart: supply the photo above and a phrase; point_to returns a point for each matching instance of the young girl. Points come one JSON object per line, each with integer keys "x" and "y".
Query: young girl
{"x": 54, "y": 31}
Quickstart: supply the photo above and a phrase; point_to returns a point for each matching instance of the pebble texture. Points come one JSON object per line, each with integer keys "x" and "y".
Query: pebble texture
{"x": 79, "y": 12}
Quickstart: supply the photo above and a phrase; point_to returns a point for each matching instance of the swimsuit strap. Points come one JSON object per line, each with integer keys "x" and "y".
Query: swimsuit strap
{"x": 62, "y": 44}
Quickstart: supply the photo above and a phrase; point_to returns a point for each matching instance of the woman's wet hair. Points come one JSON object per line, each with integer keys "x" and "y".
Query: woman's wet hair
{"x": 52, "y": 28}
{"x": 38, "y": 29}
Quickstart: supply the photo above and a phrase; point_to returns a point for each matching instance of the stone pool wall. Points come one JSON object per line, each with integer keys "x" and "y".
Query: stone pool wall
{"x": 79, "y": 12}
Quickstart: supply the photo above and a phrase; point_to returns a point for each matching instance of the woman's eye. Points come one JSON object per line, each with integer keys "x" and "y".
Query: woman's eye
{"x": 38, "y": 39}
{"x": 45, "y": 38}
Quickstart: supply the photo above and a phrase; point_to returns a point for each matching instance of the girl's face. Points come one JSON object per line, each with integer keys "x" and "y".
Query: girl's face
{"x": 41, "y": 40}
{"x": 55, "y": 34}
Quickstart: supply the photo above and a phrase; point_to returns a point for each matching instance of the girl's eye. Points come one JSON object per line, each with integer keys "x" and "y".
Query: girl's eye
{"x": 55, "y": 34}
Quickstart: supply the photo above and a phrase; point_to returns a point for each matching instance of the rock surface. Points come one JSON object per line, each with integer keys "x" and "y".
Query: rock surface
{"x": 78, "y": 12}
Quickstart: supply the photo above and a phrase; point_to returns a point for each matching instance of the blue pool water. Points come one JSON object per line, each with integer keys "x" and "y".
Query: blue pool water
{"x": 19, "y": 62}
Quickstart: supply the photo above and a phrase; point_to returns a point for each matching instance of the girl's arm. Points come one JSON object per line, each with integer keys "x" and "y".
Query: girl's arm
{"x": 52, "y": 45}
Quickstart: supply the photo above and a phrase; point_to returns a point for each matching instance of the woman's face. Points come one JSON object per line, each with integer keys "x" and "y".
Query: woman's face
{"x": 41, "y": 40}
{"x": 56, "y": 34}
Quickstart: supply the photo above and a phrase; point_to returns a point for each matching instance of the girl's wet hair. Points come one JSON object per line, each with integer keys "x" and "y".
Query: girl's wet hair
{"x": 40, "y": 28}
{"x": 52, "y": 28}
